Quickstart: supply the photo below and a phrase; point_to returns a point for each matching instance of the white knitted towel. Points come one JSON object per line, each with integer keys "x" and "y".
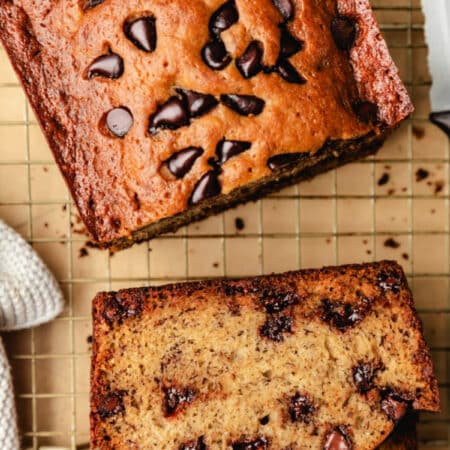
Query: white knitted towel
{"x": 29, "y": 296}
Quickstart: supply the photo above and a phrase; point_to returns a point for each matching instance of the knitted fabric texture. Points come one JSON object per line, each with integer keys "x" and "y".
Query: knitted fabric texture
{"x": 29, "y": 296}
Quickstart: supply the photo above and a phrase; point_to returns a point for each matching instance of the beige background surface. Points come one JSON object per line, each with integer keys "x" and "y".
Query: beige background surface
{"x": 341, "y": 217}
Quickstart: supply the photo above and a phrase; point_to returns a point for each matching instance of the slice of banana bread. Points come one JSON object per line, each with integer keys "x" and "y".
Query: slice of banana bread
{"x": 160, "y": 113}
{"x": 319, "y": 359}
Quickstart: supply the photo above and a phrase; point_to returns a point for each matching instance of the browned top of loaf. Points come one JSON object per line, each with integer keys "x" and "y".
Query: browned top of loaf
{"x": 277, "y": 362}
{"x": 122, "y": 184}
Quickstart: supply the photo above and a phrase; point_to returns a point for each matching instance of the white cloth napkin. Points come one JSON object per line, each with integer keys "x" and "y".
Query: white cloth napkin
{"x": 29, "y": 296}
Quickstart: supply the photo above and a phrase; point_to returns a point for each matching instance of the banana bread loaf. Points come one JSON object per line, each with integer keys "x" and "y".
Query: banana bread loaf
{"x": 319, "y": 359}
{"x": 164, "y": 112}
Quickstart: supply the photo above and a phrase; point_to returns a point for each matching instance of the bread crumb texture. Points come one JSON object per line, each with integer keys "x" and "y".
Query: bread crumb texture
{"x": 319, "y": 359}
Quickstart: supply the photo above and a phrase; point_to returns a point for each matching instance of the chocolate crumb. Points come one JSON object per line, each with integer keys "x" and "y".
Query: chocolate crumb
{"x": 438, "y": 187}
{"x": 421, "y": 174}
{"x": 384, "y": 179}
{"x": 275, "y": 327}
{"x": 391, "y": 243}
{"x": 418, "y": 132}
{"x": 405, "y": 256}
{"x": 216, "y": 265}
{"x": 83, "y": 252}
{"x": 239, "y": 223}
{"x": 176, "y": 399}
{"x": 391, "y": 192}
{"x": 89, "y": 339}
{"x": 259, "y": 444}
{"x": 264, "y": 420}
{"x": 369, "y": 252}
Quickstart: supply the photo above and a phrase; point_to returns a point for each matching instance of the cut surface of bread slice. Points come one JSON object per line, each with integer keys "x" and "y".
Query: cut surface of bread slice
{"x": 160, "y": 113}
{"x": 318, "y": 359}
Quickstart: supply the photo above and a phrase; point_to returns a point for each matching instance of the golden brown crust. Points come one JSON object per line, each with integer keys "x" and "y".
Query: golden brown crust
{"x": 117, "y": 184}
{"x": 354, "y": 295}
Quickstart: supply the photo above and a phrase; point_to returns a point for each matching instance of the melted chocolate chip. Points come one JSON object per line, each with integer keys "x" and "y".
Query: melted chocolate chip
{"x": 344, "y": 32}
{"x": 198, "y": 104}
{"x": 107, "y": 66}
{"x": 227, "y": 149}
{"x": 285, "y": 159}
{"x": 250, "y": 63}
{"x": 119, "y": 121}
{"x": 337, "y": 439}
{"x": 390, "y": 280}
{"x": 363, "y": 376}
{"x": 289, "y": 44}
{"x": 215, "y": 55}
{"x": 258, "y": 444}
{"x": 394, "y": 406}
{"x": 142, "y": 33}
{"x": 121, "y": 306}
{"x": 111, "y": 404}
{"x": 175, "y": 399}
{"x": 194, "y": 445}
{"x": 343, "y": 315}
{"x": 366, "y": 111}
{"x": 171, "y": 115}
{"x": 245, "y": 105}
{"x": 301, "y": 408}
{"x": 181, "y": 163}
{"x": 285, "y": 7}
{"x": 288, "y": 72}
{"x": 264, "y": 420}
{"x": 223, "y": 18}
{"x": 275, "y": 301}
{"x": 275, "y": 327}
{"x": 208, "y": 186}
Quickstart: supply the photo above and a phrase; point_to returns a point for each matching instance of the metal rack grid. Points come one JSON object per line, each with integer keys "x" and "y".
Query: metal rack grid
{"x": 343, "y": 216}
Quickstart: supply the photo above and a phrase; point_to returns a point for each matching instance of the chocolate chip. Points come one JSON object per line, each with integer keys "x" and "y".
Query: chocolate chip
{"x": 119, "y": 121}
{"x": 364, "y": 374}
{"x": 344, "y": 32}
{"x": 275, "y": 327}
{"x": 285, "y": 159}
{"x": 239, "y": 223}
{"x": 250, "y": 63}
{"x": 288, "y": 72}
{"x": 93, "y": 3}
{"x": 111, "y": 404}
{"x": 175, "y": 399}
{"x": 366, "y": 111}
{"x": 181, "y": 163}
{"x": 391, "y": 243}
{"x": 390, "y": 280}
{"x": 171, "y": 115}
{"x": 394, "y": 406}
{"x": 215, "y": 55}
{"x": 227, "y": 149}
{"x": 289, "y": 44}
{"x": 301, "y": 408}
{"x": 264, "y": 420}
{"x": 259, "y": 444}
{"x": 223, "y": 18}
{"x": 107, "y": 66}
{"x": 275, "y": 301}
{"x": 194, "y": 445}
{"x": 208, "y": 186}
{"x": 343, "y": 315}
{"x": 285, "y": 7}
{"x": 337, "y": 439}
{"x": 142, "y": 33}
{"x": 243, "y": 104}
{"x": 198, "y": 104}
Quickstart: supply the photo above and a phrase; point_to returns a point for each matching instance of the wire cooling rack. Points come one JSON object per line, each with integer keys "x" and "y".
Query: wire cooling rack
{"x": 395, "y": 206}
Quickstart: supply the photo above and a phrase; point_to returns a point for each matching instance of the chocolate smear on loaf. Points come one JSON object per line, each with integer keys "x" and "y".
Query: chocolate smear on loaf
{"x": 344, "y": 315}
{"x": 176, "y": 399}
{"x": 111, "y": 404}
{"x": 394, "y": 405}
{"x": 301, "y": 408}
{"x": 364, "y": 375}
{"x": 390, "y": 280}
{"x": 199, "y": 444}
{"x": 276, "y": 326}
{"x": 338, "y": 439}
{"x": 258, "y": 444}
